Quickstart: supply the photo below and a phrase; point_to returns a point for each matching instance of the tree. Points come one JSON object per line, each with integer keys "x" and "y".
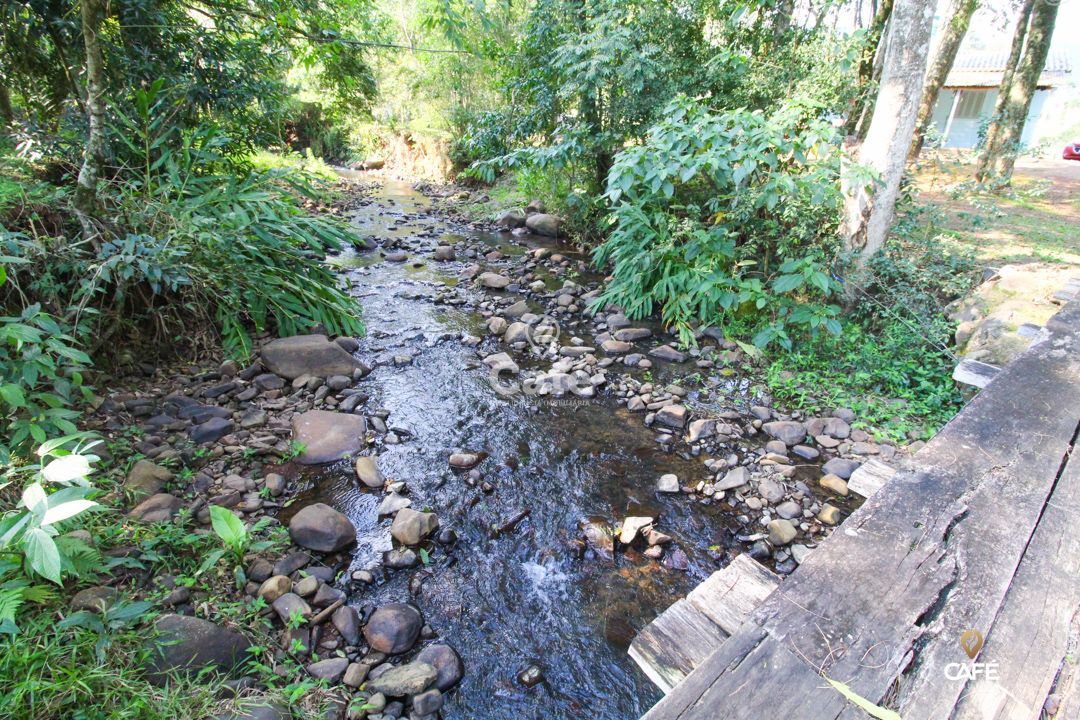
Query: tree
{"x": 94, "y": 150}
{"x": 870, "y": 207}
{"x": 870, "y": 67}
{"x": 953, "y": 31}
{"x": 1002, "y": 145}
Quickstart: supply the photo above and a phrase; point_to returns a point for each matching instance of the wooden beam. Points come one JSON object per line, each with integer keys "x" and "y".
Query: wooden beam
{"x": 1029, "y": 638}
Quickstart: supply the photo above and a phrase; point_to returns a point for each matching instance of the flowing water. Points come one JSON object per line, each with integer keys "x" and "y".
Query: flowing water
{"x": 525, "y": 596}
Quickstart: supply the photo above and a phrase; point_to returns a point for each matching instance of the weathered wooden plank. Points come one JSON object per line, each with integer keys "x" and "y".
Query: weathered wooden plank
{"x": 932, "y": 553}
{"x": 728, "y": 596}
{"x": 975, "y": 373}
{"x": 869, "y": 477}
{"x": 675, "y": 643}
{"x": 750, "y": 677}
{"x": 1029, "y": 638}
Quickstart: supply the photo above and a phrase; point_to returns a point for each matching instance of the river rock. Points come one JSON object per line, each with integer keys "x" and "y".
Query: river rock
{"x": 146, "y": 479}
{"x": 260, "y": 711}
{"x": 632, "y": 334}
{"x": 616, "y": 347}
{"x": 511, "y": 219}
{"x": 516, "y": 332}
{"x": 464, "y": 461}
{"x": 834, "y": 483}
{"x": 393, "y": 628}
{"x": 427, "y": 703}
{"x": 328, "y": 436}
{"x": 494, "y": 281}
{"x": 291, "y": 604}
{"x": 829, "y": 514}
{"x": 668, "y": 353}
{"x": 411, "y": 527}
{"x": 330, "y": 669}
{"x": 673, "y": 416}
{"x": 668, "y": 484}
{"x": 392, "y": 503}
{"x": 734, "y": 478}
{"x": 787, "y": 431}
{"x": 188, "y": 644}
{"x": 210, "y": 431}
{"x": 156, "y": 508}
{"x": 314, "y": 355}
{"x": 544, "y": 224}
{"x": 405, "y": 680}
{"x": 841, "y": 467}
{"x": 701, "y": 429}
{"x": 347, "y": 623}
{"x": 599, "y": 539}
{"x": 444, "y": 253}
{"x": 274, "y": 587}
{"x": 781, "y": 532}
{"x": 368, "y": 472}
{"x": 322, "y": 528}
{"x": 447, "y": 664}
{"x": 631, "y": 526}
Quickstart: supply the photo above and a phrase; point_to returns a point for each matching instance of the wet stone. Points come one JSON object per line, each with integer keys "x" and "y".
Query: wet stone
{"x": 446, "y": 662}
{"x": 393, "y": 628}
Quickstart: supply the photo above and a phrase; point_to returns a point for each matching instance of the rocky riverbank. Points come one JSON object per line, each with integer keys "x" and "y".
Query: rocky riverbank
{"x": 355, "y": 602}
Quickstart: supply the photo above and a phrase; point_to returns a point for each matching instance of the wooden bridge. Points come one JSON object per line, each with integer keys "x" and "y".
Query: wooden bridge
{"x": 980, "y": 531}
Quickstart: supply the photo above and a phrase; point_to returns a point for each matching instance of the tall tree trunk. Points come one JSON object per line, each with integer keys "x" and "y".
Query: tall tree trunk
{"x": 782, "y": 15}
{"x": 952, "y": 36}
{"x": 869, "y": 209}
{"x": 1015, "y": 53}
{"x": 1007, "y": 126}
{"x": 865, "y": 77}
{"x": 86, "y": 200}
{"x": 6, "y": 112}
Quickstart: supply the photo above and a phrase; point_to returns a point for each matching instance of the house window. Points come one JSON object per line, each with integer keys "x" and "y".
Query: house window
{"x": 970, "y": 105}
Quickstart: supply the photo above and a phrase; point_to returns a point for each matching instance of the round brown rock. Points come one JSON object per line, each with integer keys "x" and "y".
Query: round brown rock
{"x": 393, "y": 628}
{"x": 321, "y": 527}
{"x": 447, "y": 664}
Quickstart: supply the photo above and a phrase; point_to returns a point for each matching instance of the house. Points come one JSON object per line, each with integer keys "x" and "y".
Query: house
{"x": 967, "y": 99}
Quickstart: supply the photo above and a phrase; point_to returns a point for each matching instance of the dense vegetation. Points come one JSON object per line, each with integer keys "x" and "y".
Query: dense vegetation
{"x": 696, "y": 149}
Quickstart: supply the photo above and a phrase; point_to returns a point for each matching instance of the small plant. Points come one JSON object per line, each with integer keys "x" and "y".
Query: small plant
{"x": 119, "y": 616}
{"x": 295, "y": 450}
{"x": 59, "y": 491}
{"x": 231, "y": 530}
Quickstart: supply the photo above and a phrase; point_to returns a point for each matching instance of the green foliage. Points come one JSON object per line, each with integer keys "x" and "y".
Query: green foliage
{"x": 187, "y": 233}
{"x": 41, "y": 379}
{"x": 724, "y": 215}
{"x": 58, "y": 493}
{"x": 51, "y": 672}
{"x": 106, "y": 624}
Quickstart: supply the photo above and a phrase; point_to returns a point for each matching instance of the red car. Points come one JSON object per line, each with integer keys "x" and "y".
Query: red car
{"x": 1072, "y": 151}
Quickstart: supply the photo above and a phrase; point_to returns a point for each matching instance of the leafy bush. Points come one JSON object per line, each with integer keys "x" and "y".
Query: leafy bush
{"x": 723, "y": 215}
{"x": 41, "y": 380}
{"x": 190, "y": 232}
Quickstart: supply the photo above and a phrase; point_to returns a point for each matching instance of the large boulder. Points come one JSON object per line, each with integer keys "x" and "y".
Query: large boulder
{"x": 544, "y": 224}
{"x": 299, "y": 355}
{"x": 188, "y": 645}
{"x": 322, "y": 528}
{"x": 393, "y": 628}
{"x": 493, "y": 280}
{"x": 328, "y": 436}
{"x": 411, "y": 527}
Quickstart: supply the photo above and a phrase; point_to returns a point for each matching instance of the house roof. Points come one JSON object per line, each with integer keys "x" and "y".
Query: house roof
{"x": 985, "y": 69}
